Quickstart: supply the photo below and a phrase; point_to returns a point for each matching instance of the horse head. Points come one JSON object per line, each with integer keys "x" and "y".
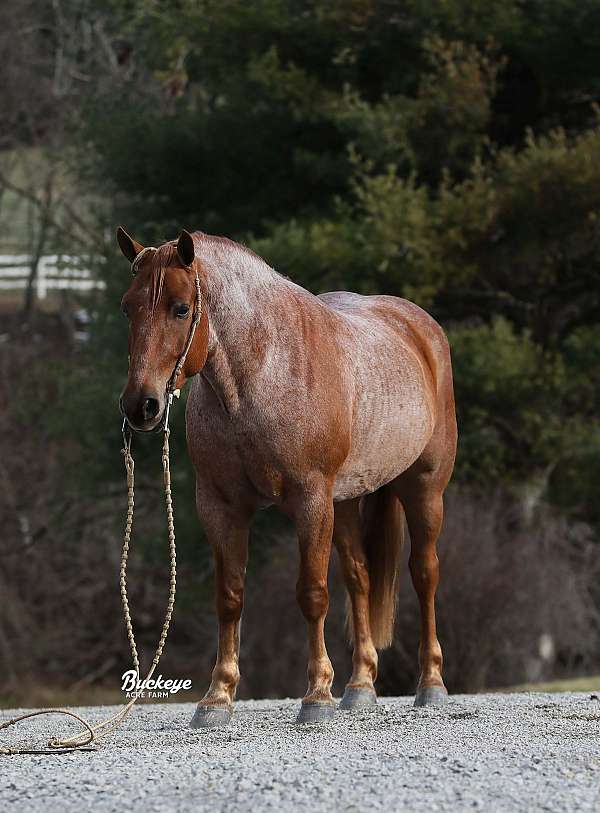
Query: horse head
{"x": 161, "y": 304}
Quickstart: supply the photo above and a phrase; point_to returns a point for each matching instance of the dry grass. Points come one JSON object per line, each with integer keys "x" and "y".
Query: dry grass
{"x": 580, "y": 684}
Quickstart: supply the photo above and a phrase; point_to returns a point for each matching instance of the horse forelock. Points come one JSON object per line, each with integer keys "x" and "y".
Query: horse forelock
{"x": 162, "y": 258}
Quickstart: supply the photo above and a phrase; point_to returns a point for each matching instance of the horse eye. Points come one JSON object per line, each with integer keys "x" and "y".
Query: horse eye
{"x": 181, "y": 311}
{"x": 124, "y": 309}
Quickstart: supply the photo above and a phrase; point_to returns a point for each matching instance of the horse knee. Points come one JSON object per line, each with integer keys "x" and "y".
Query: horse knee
{"x": 313, "y": 600}
{"x": 230, "y": 602}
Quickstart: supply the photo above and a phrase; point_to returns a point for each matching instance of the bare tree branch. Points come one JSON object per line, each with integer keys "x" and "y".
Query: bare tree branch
{"x": 92, "y": 236}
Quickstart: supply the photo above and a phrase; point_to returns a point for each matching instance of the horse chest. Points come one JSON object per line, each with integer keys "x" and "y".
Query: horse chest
{"x": 249, "y": 450}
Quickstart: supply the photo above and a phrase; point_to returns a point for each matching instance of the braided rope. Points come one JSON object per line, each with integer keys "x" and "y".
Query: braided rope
{"x": 92, "y": 733}
{"x": 82, "y": 740}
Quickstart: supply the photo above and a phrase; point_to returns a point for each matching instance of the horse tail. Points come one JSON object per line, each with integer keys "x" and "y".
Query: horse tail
{"x": 382, "y": 519}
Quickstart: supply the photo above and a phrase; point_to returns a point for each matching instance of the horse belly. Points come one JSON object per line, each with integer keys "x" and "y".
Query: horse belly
{"x": 393, "y": 422}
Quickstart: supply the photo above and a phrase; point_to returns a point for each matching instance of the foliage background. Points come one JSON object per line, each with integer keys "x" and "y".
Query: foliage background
{"x": 442, "y": 151}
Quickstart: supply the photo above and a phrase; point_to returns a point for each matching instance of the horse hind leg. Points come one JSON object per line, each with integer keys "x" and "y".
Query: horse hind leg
{"x": 424, "y": 514}
{"x": 369, "y": 546}
{"x": 347, "y": 537}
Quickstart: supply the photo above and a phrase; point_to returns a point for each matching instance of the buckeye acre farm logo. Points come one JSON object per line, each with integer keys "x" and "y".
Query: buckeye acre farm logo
{"x": 152, "y": 688}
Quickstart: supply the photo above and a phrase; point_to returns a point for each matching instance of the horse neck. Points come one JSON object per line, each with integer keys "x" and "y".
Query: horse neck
{"x": 241, "y": 292}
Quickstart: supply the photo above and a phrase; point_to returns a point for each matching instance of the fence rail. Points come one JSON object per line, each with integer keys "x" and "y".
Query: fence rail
{"x": 54, "y": 272}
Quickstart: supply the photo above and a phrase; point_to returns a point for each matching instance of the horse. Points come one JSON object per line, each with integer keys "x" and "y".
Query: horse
{"x": 337, "y": 408}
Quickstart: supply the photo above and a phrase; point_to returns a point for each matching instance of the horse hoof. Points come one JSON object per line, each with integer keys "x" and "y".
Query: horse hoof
{"x": 211, "y": 717}
{"x": 431, "y": 696}
{"x": 356, "y": 697}
{"x": 315, "y": 712}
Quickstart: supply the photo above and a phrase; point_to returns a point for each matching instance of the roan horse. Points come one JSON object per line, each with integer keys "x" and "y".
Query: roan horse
{"x": 337, "y": 408}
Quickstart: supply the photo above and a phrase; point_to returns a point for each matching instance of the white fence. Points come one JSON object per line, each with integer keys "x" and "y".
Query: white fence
{"x": 55, "y": 272}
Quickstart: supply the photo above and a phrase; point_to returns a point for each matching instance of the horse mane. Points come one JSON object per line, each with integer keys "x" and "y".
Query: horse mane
{"x": 210, "y": 250}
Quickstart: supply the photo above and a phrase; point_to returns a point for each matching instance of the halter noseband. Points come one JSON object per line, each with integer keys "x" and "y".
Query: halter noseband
{"x": 170, "y": 390}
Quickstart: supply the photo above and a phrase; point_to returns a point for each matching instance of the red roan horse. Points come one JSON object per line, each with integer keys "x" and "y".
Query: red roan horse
{"x": 337, "y": 408}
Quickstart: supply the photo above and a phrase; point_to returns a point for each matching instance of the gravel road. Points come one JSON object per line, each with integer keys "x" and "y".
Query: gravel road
{"x": 491, "y": 752}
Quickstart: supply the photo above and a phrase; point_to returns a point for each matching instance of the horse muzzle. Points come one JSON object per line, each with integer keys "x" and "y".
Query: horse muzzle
{"x": 144, "y": 411}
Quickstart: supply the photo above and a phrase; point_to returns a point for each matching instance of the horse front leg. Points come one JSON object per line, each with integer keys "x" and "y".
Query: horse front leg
{"x": 229, "y": 541}
{"x": 314, "y": 521}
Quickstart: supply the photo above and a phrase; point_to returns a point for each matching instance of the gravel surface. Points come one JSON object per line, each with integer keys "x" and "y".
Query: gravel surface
{"x": 490, "y": 752}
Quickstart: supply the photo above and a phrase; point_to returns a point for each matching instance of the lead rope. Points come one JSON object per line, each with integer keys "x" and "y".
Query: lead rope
{"x": 83, "y": 740}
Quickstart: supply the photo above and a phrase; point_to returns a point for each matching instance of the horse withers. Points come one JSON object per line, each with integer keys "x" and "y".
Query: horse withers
{"x": 337, "y": 408}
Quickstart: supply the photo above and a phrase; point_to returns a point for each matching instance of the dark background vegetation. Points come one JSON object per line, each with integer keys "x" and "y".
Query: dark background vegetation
{"x": 448, "y": 152}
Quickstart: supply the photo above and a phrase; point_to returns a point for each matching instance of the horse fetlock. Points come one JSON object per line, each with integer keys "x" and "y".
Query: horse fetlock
{"x": 431, "y": 658}
{"x": 364, "y": 671}
{"x": 431, "y": 675}
{"x": 230, "y": 677}
{"x": 225, "y": 680}
{"x": 320, "y": 676}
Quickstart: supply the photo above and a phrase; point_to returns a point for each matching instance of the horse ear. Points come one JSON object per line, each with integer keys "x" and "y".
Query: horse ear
{"x": 185, "y": 248}
{"x": 130, "y": 247}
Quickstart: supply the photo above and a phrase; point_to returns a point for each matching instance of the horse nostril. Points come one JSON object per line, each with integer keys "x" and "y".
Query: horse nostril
{"x": 150, "y": 408}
